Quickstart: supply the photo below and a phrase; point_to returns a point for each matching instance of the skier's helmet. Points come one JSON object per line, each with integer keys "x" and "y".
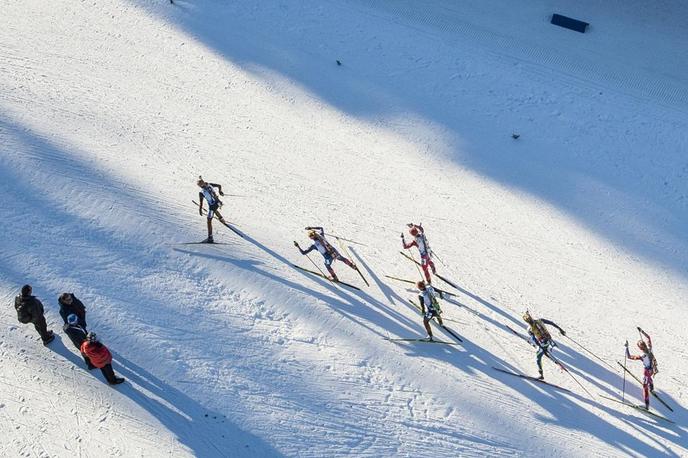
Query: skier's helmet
{"x": 413, "y": 231}
{"x": 527, "y": 318}
{"x": 642, "y": 345}
{"x": 200, "y": 182}
{"x": 312, "y": 235}
{"x": 72, "y": 319}
{"x": 420, "y": 285}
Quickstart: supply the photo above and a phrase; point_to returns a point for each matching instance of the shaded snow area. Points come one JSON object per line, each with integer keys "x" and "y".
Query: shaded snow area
{"x": 110, "y": 110}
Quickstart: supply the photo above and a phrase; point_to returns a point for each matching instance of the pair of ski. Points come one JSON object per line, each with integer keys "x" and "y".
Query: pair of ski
{"x": 339, "y": 282}
{"x": 638, "y": 407}
{"x": 651, "y": 392}
{"x": 555, "y": 361}
{"x": 528, "y": 377}
{"x": 320, "y": 274}
{"x": 422, "y": 340}
{"x": 441, "y": 291}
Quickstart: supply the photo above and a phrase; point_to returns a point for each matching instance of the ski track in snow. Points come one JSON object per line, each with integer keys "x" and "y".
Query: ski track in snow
{"x": 229, "y": 351}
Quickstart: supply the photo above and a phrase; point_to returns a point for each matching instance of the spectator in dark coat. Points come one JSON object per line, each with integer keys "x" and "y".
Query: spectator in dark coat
{"x": 77, "y": 335}
{"x": 70, "y": 304}
{"x": 30, "y": 310}
{"x": 100, "y": 357}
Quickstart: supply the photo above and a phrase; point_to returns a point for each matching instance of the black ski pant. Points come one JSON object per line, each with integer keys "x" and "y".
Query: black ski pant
{"x": 42, "y": 327}
{"x": 108, "y": 372}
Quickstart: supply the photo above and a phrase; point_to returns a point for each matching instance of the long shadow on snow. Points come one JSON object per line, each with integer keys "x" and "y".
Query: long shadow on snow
{"x": 362, "y": 92}
{"x": 51, "y": 160}
{"x": 206, "y": 432}
{"x": 563, "y": 412}
{"x": 346, "y": 304}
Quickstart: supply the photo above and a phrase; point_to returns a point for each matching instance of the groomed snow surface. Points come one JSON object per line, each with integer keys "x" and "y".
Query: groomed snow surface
{"x": 109, "y": 110}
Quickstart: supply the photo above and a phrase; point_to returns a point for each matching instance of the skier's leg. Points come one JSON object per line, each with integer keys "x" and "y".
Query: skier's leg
{"x": 647, "y": 387}
{"x": 328, "y": 266}
{"x": 426, "y": 323}
{"x": 219, "y": 216}
{"x": 42, "y": 327}
{"x": 108, "y": 373}
{"x": 540, "y": 354}
{"x": 426, "y": 272}
{"x": 346, "y": 261}
{"x": 210, "y": 228}
{"x": 646, "y": 395}
{"x": 432, "y": 265}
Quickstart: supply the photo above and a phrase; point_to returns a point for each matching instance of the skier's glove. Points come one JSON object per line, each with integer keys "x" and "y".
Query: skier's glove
{"x": 402, "y": 236}
{"x": 222, "y": 193}
{"x": 639, "y": 330}
{"x": 563, "y": 333}
{"x": 626, "y": 344}
{"x": 308, "y": 228}
{"x": 296, "y": 244}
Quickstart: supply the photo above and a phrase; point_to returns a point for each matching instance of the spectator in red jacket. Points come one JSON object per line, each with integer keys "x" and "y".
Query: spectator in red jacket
{"x": 100, "y": 357}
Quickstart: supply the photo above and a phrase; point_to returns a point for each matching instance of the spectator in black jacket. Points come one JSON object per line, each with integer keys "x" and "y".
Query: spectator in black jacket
{"x": 30, "y": 310}
{"x": 77, "y": 335}
{"x": 70, "y": 304}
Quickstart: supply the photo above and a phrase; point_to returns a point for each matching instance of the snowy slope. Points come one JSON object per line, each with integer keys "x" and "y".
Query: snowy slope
{"x": 110, "y": 110}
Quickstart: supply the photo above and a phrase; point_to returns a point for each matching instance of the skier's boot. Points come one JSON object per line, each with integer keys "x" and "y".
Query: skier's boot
{"x": 49, "y": 339}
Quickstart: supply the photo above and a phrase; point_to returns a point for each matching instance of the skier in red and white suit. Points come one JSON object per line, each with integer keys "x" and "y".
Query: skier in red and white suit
{"x": 421, "y": 243}
{"x": 649, "y": 363}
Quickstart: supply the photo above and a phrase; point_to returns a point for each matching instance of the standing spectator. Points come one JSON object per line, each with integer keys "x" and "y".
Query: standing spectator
{"x": 30, "y": 310}
{"x": 70, "y": 304}
{"x": 77, "y": 334}
{"x": 100, "y": 357}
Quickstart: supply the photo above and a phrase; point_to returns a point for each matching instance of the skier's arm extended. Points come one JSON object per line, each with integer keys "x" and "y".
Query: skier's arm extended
{"x": 306, "y": 251}
{"x": 552, "y": 323}
{"x": 647, "y": 336}
{"x": 219, "y": 188}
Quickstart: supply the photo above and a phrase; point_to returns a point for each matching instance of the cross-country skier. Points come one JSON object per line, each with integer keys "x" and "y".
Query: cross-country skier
{"x": 649, "y": 363}
{"x": 429, "y": 306}
{"x": 419, "y": 240}
{"x": 214, "y": 203}
{"x": 328, "y": 252}
{"x": 541, "y": 338}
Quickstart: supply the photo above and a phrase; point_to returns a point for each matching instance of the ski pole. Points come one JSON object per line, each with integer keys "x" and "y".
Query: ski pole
{"x": 312, "y": 262}
{"x": 593, "y": 354}
{"x": 623, "y": 389}
{"x": 434, "y": 255}
{"x": 346, "y": 240}
{"x": 348, "y": 255}
{"x": 316, "y": 266}
{"x": 561, "y": 365}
